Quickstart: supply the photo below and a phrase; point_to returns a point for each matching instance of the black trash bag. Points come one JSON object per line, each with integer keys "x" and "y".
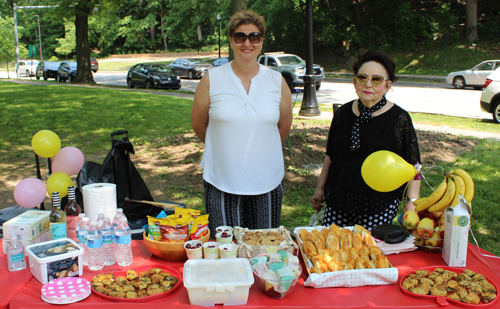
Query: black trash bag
{"x": 117, "y": 168}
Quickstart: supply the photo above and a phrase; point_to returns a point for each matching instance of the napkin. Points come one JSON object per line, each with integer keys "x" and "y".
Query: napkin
{"x": 405, "y": 246}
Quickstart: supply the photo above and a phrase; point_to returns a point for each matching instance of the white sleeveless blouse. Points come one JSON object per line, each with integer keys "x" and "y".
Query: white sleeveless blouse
{"x": 243, "y": 153}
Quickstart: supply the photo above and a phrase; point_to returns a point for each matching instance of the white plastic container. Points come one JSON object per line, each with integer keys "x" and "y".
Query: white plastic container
{"x": 55, "y": 259}
{"x": 211, "y": 282}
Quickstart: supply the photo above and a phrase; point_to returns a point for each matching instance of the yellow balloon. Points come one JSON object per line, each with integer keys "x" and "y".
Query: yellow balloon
{"x": 385, "y": 171}
{"x": 46, "y": 143}
{"x": 59, "y": 182}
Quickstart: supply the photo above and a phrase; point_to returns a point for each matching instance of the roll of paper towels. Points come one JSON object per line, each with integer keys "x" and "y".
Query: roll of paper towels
{"x": 99, "y": 197}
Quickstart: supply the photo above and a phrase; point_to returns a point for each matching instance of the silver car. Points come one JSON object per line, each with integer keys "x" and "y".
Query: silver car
{"x": 474, "y": 77}
{"x": 27, "y": 67}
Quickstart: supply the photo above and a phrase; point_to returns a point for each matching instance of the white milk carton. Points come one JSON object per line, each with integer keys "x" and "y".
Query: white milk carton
{"x": 456, "y": 234}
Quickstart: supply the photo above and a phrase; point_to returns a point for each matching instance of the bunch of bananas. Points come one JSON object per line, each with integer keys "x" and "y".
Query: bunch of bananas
{"x": 456, "y": 182}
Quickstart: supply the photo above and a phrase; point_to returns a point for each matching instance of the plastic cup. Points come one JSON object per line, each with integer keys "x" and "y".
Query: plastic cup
{"x": 194, "y": 252}
{"x": 224, "y": 228}
{"x": 228, "y": 251}
{"x": 211, "y": 250}
{"x": 224, "y": 240}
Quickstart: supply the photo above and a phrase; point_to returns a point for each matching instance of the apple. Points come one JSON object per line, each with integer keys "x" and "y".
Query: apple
{"x": 410, "y": 219}
{"x": 425, "y": 214}
{"x": 425, "y": 227}
{"x": 436, "y": 215}
{"x": 440, "y": 220}
{"x": 436, "y": 241}
{"x": 419, "y": 241}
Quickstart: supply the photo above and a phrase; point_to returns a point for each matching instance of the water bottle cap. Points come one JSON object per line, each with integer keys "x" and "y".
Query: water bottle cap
{"x": 119, "y": 210}
{"x": 93, "y": 223}
{"x": 82, "y": 215}
{"x": 86, "y": 219}
{"x": 106, "y": 219}
{"x": 100, "y": 215}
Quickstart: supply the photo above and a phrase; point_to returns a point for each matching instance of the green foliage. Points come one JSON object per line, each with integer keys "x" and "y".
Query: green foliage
{"x": 67, "y": 45}
{"x": 7, "y": 45}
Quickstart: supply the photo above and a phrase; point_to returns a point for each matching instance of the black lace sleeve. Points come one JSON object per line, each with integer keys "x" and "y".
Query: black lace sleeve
{"x": 407, "y": 139}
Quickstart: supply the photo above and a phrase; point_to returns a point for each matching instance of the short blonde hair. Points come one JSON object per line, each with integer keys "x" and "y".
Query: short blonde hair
{"x": 246, "y": 18}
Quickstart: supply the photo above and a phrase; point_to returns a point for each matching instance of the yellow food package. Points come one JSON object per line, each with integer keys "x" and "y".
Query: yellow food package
{"x": 154, "y": 228}
{"x": 199, "y": 228}
{"x": 174, "y": 230}
{"x": 181, "y": 212}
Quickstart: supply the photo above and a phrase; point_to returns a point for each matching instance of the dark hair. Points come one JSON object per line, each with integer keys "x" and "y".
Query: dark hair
{"x": 247, "y": 17}
{"x": 379, "y": 57}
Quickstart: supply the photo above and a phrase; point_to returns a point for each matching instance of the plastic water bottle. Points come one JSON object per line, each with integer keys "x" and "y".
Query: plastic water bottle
{"x": 78, "y": 224}
{"x": 123, "y": 243}
{"x": 100, "y": 219}
{"x": 94, "y": 243}
{"x": 118, "y": 215}
{"x": 83, "y": 231}
{"x": 108, "y": 238}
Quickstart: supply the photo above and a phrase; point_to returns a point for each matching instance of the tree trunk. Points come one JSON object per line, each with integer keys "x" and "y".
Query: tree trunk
{"x": 471, "y": 13}
{"x": 163, "y": 32}
{"x": 153, "y": 38}
{"x": 236, "y": 6}
{"x": 83, "y": 72}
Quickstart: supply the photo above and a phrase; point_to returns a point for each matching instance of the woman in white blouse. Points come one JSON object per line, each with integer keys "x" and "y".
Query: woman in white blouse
{"x": 242, "y": 112}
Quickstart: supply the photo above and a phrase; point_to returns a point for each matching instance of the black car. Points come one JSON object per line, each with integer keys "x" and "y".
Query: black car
{"x": 66, "y": 71}
{"x": 152, "y": 75}
{"x": 220, "y": 61}
{"x": 190, "y": 67}
{"x": 47, "y": 69}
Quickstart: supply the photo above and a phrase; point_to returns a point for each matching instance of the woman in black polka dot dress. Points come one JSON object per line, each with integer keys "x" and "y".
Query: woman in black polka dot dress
{"x": 359, "y": 128}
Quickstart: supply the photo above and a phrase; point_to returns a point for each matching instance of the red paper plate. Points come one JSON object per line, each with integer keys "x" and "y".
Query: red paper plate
{"x": 139, "y": 269}
{"x": 441, "y": 300}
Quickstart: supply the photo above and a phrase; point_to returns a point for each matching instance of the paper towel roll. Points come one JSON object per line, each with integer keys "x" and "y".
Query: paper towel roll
{"x": 99, "y": 197}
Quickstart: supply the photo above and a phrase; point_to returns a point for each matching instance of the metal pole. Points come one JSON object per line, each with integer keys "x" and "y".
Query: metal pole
{"x": 218, "y": 19}
{"x": 40, "y": 37}
{"x": 309, "y": 107}
{"x": 18, "y": 74}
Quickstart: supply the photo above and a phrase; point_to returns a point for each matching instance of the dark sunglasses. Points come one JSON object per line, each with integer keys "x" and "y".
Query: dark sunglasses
{"x": 376, "y": 80}
{"x": 241, "y": 37}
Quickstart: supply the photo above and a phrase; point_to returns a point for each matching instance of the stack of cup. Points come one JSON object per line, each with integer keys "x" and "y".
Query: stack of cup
{"x": 224, "y": 234}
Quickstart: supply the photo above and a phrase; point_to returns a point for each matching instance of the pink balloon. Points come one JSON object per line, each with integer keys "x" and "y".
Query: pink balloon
{"x": 30, "y": 192}
{"x": 68, "y": 160}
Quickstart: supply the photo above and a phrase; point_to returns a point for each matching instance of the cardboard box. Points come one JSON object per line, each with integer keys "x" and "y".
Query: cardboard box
{"x": 456, "y": 234}
{"x": 28, "y": 225}
{"x": 55, "y": 259}
{"x": 222, "y": 281}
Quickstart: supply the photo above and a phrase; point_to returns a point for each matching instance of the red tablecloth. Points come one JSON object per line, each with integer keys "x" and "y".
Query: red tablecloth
{"x": 11, "y": 282}
{"x": 385, "y": 296}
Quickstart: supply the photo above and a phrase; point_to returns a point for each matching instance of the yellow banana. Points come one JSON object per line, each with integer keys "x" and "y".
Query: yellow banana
{"x": 446, "y": 199}
{"x": 426, "y": 202}
{"x": 459, "y": 189}
{"x": 469, "y": 184}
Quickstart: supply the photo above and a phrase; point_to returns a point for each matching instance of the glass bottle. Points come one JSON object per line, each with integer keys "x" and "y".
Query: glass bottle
{"x": 57, "y": 218}
{"x": 72, "y": 211}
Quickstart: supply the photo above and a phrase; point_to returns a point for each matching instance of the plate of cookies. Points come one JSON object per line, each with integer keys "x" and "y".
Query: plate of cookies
{"x": 254, "y": 242}
{"x": 450, "y": 285}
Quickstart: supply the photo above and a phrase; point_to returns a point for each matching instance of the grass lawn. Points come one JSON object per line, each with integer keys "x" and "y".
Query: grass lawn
{"x": 84, "y": 117}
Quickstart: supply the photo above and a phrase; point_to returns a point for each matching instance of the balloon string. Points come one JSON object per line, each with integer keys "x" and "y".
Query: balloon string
{"x": 477, "y": 245}
{"x": 424, "y": 170}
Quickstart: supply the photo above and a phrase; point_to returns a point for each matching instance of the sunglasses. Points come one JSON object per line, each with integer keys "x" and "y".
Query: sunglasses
{"x": 376, "y": 80}
{"x": 241, "y": 37}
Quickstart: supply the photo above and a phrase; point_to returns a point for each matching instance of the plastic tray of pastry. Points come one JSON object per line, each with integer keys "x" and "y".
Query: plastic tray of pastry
{"x": 445, "y": 300}
{"x": 138, "y": 270}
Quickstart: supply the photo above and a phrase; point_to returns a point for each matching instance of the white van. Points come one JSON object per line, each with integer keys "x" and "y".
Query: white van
{"x": 27, "y": 67}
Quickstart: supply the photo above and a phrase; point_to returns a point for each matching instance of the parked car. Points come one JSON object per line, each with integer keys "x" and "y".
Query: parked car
{"x": 27, "y": 67}
{"x": 220, "y": 61}
{"x": 490, "y": 97}
{"x": 94, "y": 65}
{"x": 474, "y": 77}
{"x": 190, "y": 67}
{"x": 152, "y": 75}
{"x": 47, "y": 69}
{"x": 292, "y": 67}
{"x": 66, "y": 71}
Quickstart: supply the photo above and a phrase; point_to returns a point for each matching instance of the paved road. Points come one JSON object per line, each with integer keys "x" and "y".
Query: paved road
{"x": 414, "y": 97}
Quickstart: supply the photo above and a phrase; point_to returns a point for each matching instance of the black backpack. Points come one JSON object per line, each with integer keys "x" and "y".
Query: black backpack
{"x": 117, "y": 168}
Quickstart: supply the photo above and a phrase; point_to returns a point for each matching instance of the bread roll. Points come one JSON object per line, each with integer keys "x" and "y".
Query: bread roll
{"x": 322, "y": 238}
{"x": 357, "y": 240}
{"x": 369, "y": 264}
{"x": 317, "y": 261}
{"x": 346, "y": 240}
{"x": 315, "y": 232}
{"x": 369, "y": 241}
{"x": 336, "y": 255}
{"x": 374, "y": 251}
{"x": 321, "y": 251}
{"x": 354, "y": 254}
{"x": 364, "y": 251}
{"x": 381, "y": 261}
{"x": 346, "y": 265}
{"x": 344, "y": 254}
{"x": 303, "y": 234}
{"x": 311, "y": 237}
{"x": 332, "y": 241}
{"x": 325, "y": 231}
{"x": 334, "y": 266}
{"x": 359, "y": 263}
{"x": 316, "y": 270}
{"x": 335, "y": 229}
{"x": 309, "y": 249}
{"x": 361, "y": 229}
